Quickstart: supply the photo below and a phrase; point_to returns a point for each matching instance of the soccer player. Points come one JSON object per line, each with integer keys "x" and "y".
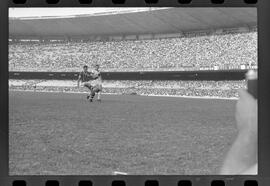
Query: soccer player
{"x": 85, "y": 78}
{"x": 96, "y": 83}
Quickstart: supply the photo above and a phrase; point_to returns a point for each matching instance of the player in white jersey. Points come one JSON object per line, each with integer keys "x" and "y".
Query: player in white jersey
{"x": 96, "y": 83}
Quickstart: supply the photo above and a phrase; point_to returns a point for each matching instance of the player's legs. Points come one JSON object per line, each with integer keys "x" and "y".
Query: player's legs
{"x": 89, "y": 86}
{"x": 99, "y": 96}
{"x": 96, "y": 90}
{"x": 99, "y": 92}
{"x": 92, "y": 95}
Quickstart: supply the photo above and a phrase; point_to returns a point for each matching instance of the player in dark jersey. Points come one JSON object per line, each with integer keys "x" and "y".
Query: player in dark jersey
{"x": 96, "y": 83}
{"x": 85, "y": 78}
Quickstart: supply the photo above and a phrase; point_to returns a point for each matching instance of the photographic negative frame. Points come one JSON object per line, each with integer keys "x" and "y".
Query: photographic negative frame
{"x": 263, "y": 154}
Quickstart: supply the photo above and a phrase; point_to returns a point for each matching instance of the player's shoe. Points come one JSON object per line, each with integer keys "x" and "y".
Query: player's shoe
{"x": 87, "y": 97}
{"x": 91, "y": 99}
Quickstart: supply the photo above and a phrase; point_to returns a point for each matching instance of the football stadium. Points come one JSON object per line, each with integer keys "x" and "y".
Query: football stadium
{"x": 169, "y": 88}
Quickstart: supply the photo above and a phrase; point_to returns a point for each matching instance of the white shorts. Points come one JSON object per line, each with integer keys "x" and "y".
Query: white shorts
{"x": 95, "y": 82}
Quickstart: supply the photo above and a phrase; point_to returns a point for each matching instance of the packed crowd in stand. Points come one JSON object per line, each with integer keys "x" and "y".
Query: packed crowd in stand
{"x": 223, "y": 51}
{"x": 232, "y": 50}
{"x": 223, "y": 89}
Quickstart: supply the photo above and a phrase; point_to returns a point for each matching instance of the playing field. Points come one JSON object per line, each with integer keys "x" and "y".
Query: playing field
{"x": 62, "y": 133}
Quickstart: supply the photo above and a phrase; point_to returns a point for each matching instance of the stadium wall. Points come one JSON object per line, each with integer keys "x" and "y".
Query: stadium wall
{"x": 164, "y": 75}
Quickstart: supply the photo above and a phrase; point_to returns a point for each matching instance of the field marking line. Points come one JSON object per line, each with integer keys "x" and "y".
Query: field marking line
{"x": 192, "y": 97}
{"x": 119, "y": 173}
{"x": 149, "y": 95}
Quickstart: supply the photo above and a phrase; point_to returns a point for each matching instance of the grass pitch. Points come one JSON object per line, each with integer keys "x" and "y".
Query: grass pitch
{"x": 64, "y": 134}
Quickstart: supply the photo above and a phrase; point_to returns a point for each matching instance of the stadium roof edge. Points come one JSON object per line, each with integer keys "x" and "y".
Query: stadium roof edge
{"x": 160, "y": 21}
{"x": 87, "y": 15}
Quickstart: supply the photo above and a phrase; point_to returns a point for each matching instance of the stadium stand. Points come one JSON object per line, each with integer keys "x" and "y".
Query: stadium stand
{"x": 201, "y": 39}
{"x": 214, "y": 51}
